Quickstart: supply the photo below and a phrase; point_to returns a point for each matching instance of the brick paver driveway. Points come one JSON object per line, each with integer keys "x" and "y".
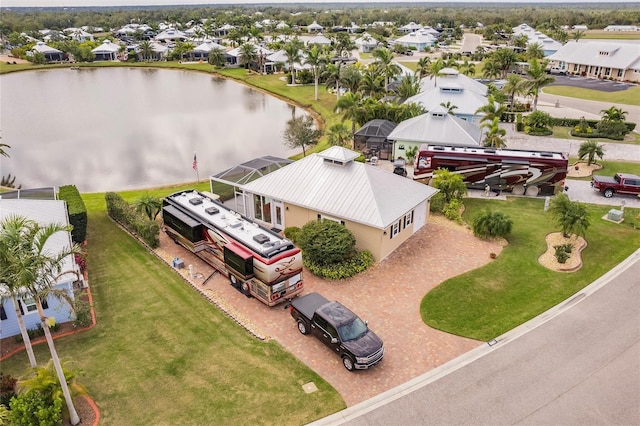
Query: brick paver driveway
{"x": 388, "y": 296}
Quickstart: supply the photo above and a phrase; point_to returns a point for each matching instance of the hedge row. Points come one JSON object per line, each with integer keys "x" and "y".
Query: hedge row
{"x": 573, "y": 122}
{"x": 337, "y": 271}
{"x": 137, "y": 223}
{"x": 596, "y": 135}
{"x": 77, "y": 212}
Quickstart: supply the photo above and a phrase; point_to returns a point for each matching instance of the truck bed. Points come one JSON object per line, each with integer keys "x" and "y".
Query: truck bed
{"x": 307, "y": 305}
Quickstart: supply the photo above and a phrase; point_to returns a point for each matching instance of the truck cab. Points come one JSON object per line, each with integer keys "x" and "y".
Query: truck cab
{"x": 339, "y": 329}
{"x": 621, "y": 183}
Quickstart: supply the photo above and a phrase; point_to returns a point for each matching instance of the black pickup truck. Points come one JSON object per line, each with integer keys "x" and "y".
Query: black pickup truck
{"x": 338, "y": 328}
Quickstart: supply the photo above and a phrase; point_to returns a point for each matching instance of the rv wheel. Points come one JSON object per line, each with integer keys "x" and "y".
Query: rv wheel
{"x": 532, "y": 191}
{"x": 518, "y": 190}
{"x": 245, "y": 289}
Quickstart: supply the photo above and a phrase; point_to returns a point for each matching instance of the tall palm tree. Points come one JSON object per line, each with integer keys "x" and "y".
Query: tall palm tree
{"x": 423, "y": 66}
{"x": 216, "y": 57}
{"x": 10, "y": 235}
{"x": 491, "y": 69}
{"x": 248, "y": 55}
{"x": 146, "y": 50}
{"x": 317, "y": 60}
{"x": 384, "y": 63}
{"x": 149, "y": 205}
{"x": 590, "y": 149}
{"x": 534, "y": 51}
{"x": 492, "y": 110}
{"x": 348, "y": 105}
{"x": 332, "y": 75}
{"x": 504, "y": 58}
{"x": 468, "y": 68}
{"x": 538, "y": 79}
{"x": 572, "y": 217}
{"x": 577, "y": 35}
{"x": 339, "y": 135}
{"x": 449, "y": 107}
{"x": 35, "y": 270}
{"x": 292, "y": 49}
{"x": 371, "y": 83}
{"x": 495, "y": 136}
{"x": 514, "y": 86}
{"x": 434, "y": 70}
{"x": 351, "y": 78}
{"x": 409, "y": 86}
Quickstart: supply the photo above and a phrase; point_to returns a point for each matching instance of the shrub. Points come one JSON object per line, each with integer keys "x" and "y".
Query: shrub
{"x": 436, "y": 204}
{"x": 451, "y": 185}
{"x": 137, "y": 223}
{"x": 77, "y": 212}
{"x": 292, "y": 233}
{"x": 612, "y": 129}
{"x": 34, "y": 408}
{"x": 490, "y": 224}
{"x": 325, "y": 242}
{"x": 82, "y": 309}
{"x": 350, "y": 267}
{"x": 452, "y": 210}
{"x": 561, "y": 253}
{"x": 7, "y": 389}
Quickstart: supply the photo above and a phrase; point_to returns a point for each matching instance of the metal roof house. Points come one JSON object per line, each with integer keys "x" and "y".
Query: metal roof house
{"x": 366, "y": 43}
{"x": 44, "y": 212}
{"x": 50, "y": 54}
{"x": 466, "y": 101}
{"x": 437, "y": 127}
{"x": 381, "y": 209}
{"x": 600, "y": 59}
{"x": 451, "y": 75}
{"x": 107, "y": 51}
{"x": 546, "y": 43}
{"x": 418, "y": 39}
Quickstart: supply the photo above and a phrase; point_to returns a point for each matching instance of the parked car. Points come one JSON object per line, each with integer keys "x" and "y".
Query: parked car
{"x": 621, "y": 183}
{"x": 338, "y": 328}
{"x": 556, "y": 71}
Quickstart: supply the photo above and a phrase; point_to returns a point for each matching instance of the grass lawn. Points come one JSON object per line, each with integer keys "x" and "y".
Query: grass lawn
{"x": 563, "y": 132}
{"x": 612, "y": 35}
{"x": 631, "y": 96}
{"x": 489, "y": 301}
{"x": 162, "y": 354}
{"x": 610, "y": 168}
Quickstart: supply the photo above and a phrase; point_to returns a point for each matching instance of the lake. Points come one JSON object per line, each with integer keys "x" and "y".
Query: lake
{"x": 111, "y": 129}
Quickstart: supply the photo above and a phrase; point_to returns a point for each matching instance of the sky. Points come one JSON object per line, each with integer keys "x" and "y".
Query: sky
{"x": 76, "y": 3}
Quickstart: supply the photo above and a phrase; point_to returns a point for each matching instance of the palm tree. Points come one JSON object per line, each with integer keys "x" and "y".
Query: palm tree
{"x": 216, "y": 57}
{"x": 520, "y": 41}
{"x": 468, "y": 68}
{"x": 492, "y": 110}
{"x": 317, "y": 60}
{"x": 348, "y": 105}
{"x": 613, "y": 114}
{"x": 577, "y": 35}
{"x": 423, "y": 66}
{"x": 248, "y": 55}
{"x": 409, "y": 86}
{"x": 538, "y": 79}
{"x": 35, "y": 271}
{"x": 495, "y": 136}
{"x": 350, "y": 78}
{"x": 146, "y": 49}
{"x": 149, "y": 205}
{"x": 338, "y": 134}
{"x": 491, "y": 69}
{"x": 292, "y": 49}
{"x": 10, "y": 235}
{"x": 434, "y": 70}
{"x": 514, "y": 85}
{"x": 384, "y": 63}
{"x": 590, "y": 149}
{"x": 449, "y": 107}
{"x": 504, "y": 58}
{"x": 332, "y": 74}
{"x": 572, "y": 217}
{"x": 2, "y": 149}
{"x": 371, "y": 83}
{"x": 534, "y": 51}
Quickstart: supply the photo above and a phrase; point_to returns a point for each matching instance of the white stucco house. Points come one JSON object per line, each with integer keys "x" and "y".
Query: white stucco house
{"x": 546, "y": 43}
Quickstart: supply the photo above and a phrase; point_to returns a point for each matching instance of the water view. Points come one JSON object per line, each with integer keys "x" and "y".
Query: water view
{"x": 112, "y": 129}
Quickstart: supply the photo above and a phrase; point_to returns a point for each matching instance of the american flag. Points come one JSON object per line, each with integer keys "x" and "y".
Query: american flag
{"x": 195, "y": 162}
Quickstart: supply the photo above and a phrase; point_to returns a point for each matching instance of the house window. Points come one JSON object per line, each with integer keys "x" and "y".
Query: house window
{"x": 28, "y": 305}
{"x": 607, "y": 71}
{"x": 576, "y": 67}
{"x": 395, "y": 229}
{"x": 335, "y": 219}
{"x": 620, "y": 73}
{"x": 3, "y": 313}
{"x": 408, "y": 220}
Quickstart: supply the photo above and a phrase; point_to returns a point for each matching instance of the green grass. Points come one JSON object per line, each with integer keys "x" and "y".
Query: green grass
{"x": 162, "y": 354}
{"x": 563, "y": 132}
{"x": 631, "y": 96}
{"x": 611, "y": 35}
{"x": 609, "y": 168}
{"x": 489, "y": 301}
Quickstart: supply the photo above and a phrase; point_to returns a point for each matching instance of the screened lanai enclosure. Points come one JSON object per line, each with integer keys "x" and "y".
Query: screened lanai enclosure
{"x": 227, "y": 184}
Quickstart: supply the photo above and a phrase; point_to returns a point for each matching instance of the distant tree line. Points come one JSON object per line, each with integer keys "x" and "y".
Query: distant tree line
{"x": 595, "y": 16}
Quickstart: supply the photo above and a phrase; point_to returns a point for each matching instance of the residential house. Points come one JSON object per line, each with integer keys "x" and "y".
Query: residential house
{"x": 547, "y": 44}
{"x": 366, "y": 43}
{"x": 80, "y": 35}
{"x": 315, "y": 27}
{"x": 44, "y": 212}
{"x": 436, "y": 127}
{"x": 107, "y": 51}
{"x": 171, "y": 35}
{"x": 410, "y": 28}
{"x": 466, "y": 101}
{"x": 622, "y": 28}
{"x": 50, "y": 54}
{"x": 318, "y": 39}
{"x": 418, "y": 40}
{"x": 202, "y": 50}
{"x": 600, "y": 59}
{"x": 381, "y": 209}
{"x": 453, "y": 76}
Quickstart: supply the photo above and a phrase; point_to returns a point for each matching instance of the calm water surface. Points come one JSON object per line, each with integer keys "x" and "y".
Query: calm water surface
{"x": 124, "y": 128}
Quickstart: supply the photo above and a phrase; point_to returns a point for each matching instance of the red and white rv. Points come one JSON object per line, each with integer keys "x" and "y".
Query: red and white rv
{"x": 258, "y": 261}
{"x": 518, "y": 171}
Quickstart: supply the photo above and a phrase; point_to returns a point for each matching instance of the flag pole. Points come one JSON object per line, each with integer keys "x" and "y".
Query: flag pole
{"x": 195, "y": 166}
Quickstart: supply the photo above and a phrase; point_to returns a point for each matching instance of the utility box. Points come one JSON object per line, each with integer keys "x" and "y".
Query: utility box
{"x": 178, "y": 263}
{"x": 615, "y": 215}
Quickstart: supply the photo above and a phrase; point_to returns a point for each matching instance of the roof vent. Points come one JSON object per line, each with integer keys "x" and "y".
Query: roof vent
{"x": 195, "y": 201}
{"x": 260, "y": 238}
{"x": 212, "y": 210}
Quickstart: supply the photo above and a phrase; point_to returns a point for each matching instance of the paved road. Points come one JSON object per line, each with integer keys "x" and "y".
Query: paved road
{"x": 590, "y": 107}
{"x": 578, "y": 363}
{"x": 470, "y": 42}
{"x": 580, "y": 190}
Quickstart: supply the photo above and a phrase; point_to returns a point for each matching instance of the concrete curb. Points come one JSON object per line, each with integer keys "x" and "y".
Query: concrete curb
{"x": 369, "y": 405}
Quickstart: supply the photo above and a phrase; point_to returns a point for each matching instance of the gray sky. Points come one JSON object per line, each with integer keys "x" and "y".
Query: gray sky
{"x": 72, "y": 3}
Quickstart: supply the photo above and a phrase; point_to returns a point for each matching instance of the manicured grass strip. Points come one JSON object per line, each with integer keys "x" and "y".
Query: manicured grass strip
{"x": 489, "y": 301}
{"x": 631, "y": 96}
{"x": 610, "y": 168}
{"x": 162, "y": 354}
